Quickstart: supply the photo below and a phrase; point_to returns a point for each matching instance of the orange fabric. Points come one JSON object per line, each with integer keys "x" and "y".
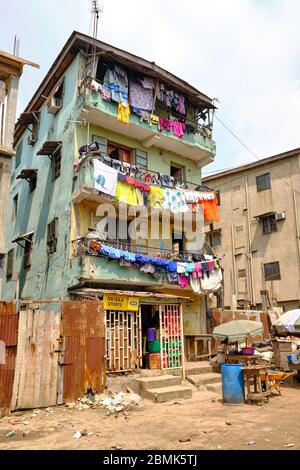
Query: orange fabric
{"x": 210, "y": 210}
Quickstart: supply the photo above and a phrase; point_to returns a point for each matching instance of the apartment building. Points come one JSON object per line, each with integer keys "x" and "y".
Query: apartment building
{"x": 108, "y": 127}
{"x": 258, "y": 234}
{"x": 11, "y": 69}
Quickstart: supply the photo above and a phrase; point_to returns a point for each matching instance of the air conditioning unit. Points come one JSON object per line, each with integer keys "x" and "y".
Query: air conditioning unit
{"x": 54, "y": 105}
{"x": 32, "y": 138}
{"x": 280, "y": 216}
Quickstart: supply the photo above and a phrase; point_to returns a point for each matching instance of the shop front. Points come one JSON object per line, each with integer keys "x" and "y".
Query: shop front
{"x": 143, "y": 330}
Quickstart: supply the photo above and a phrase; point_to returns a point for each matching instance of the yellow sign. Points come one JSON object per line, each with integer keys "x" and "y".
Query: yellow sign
{"x": 120, "y": 302}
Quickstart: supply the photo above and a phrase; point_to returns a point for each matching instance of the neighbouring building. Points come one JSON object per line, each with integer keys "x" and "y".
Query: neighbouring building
{"x": 108, "y": 127}
{"x": 11, "y": 69}
{"x": 258, "y": 236}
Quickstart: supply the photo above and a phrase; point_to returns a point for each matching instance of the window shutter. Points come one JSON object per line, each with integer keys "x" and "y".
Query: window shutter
{"x": 102, "y": 141}
{"x": 141, "y": 159}
{"x": 19, "y": 153}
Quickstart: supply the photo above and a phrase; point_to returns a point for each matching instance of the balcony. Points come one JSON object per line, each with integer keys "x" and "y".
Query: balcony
{"x": 90, "y": 266}
{"x": 197, "y": 147}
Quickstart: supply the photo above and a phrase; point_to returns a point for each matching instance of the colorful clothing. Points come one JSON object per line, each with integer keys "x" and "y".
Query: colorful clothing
{"x": 210, "y": 210}
{"x": 183, "y": 281}
{"x": 157, "y": 195}
{"x": 154, "y": 120}
{"x": 195, "y": 285}
{"x": 126, "y": 194}
{"x": 178, "y": 128}
{"x": 140, "y": 97}
{"x": 116, "y": 81}
{"x": 138, "y": 184}
{"x": 105, "y": 178}
{"x": 123, "y": 113}
{"x": 174, "y": 201}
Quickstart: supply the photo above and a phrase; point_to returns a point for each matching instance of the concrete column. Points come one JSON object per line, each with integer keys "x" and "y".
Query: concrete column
{"x": 11, "y": 108}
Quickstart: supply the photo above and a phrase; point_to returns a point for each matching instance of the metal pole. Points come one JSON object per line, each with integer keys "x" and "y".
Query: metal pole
{"x": 182, "y": 344}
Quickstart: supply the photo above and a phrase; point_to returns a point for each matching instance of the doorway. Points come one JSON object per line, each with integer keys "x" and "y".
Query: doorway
{"x": 150, "y": 336}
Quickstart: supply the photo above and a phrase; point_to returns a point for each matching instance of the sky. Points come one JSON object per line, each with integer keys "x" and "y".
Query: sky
{"x": 243, "y": 52}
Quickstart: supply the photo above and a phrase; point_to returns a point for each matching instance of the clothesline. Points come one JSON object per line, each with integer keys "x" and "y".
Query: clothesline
{"x": 134, "y": 169}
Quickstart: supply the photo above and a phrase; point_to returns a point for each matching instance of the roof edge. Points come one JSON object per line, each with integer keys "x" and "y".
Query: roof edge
{"x": 262, "y": 162}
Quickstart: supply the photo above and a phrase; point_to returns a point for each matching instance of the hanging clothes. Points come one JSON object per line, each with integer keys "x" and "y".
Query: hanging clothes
{"x": 183, "y": 281}
{"x": 140, "y": 97}
{"x": 212, "y": 282}
{"x": 178, "y": 128}
{"x": 116, "y": 81}
{"x": 165, "y": 124}
{"x": 126, "y": 194}
{"x": 123, "y": 113}
{"x": 155, "y": 120}
{"x": 195, "y": 285}
{"x": 105, "y": 178}
{"x": 174, "y": 201}
{"x": 210, "y": 210}
{"x": 157, "y": 195}
{"x": 138, "y": 184}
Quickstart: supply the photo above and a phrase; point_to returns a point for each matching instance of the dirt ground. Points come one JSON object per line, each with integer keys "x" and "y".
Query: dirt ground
{"x": 201, "y": 423}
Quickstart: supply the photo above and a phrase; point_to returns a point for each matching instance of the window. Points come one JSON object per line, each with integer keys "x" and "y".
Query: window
{"x": 272, "y": 271}
{"x": 141, "y": 159}
{"x": 269, "y": 224}
{"x": 178, "y": 172}
{"x": 263, "y": 182}
{"x": 52, "y": 235}
{"x": 218, "y": 197}
{"x": 242, "y": 273}
{"x": 10, "y": 263}
{"x": 19, "y": 154}
{"x": 119, "y": 152}
{"x": 216, "y": 238}
{"x": 178, "y": 242}
{"x": 56, "y": 162}
{"x": 15, "y": 208}
{"x": 28, "y": 250}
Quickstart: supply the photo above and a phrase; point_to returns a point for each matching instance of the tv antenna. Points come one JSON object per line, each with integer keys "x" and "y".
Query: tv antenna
{"x": 95, "y": 18}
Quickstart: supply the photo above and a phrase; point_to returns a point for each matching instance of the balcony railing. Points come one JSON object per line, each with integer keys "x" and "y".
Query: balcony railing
{"x": 87, "y": 247}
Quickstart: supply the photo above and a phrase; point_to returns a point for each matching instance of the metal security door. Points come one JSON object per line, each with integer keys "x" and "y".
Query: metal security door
{"x": 171, "y": 351}
{"x": 123, "y": 340}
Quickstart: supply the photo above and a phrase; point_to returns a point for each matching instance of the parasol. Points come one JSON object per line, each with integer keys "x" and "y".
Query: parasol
{"x": 237, "y": 330}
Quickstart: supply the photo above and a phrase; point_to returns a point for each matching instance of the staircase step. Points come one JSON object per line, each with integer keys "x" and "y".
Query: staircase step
{"x": 197, "y": 368}
{"x": 162, "y": 394}
{"x": 216, "y": 387}
{"x": 147, "y": 383}
{"x": 203, "y": 379}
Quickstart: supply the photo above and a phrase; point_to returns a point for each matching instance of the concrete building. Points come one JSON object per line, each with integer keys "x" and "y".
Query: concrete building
{"x": 259, "y": 234}
{"x": 11, "y": 69}
{"x": 52, "y": 214}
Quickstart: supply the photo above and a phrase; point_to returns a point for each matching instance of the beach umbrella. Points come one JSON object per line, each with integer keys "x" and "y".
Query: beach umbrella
{"x": 237, "y": 330}
{"x": 289, "y": 323}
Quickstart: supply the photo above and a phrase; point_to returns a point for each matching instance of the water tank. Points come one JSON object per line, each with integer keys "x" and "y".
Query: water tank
{"x": 233, "y": 390}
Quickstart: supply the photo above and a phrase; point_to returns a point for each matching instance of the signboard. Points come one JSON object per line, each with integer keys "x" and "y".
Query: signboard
{"x": 120, "y": 302}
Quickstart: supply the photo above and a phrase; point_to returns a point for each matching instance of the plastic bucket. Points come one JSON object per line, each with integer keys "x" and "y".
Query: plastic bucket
{"x": 233, "y": 390}
{"x": 151, "y": 334}
{"x": 154, "y": 346}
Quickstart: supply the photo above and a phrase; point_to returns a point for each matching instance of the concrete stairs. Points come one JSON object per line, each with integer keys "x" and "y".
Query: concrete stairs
{"x": 161, "y": 388}
{"x": 200, "y": 374}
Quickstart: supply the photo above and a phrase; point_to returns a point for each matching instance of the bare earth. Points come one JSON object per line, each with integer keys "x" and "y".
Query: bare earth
{"x": 201, "y": 422}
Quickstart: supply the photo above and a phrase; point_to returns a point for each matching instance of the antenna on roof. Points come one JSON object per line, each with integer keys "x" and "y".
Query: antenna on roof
{"x": 95, "y": 18}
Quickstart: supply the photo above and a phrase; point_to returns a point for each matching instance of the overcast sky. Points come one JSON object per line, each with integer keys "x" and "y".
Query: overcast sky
{"x": 244, "y": 52}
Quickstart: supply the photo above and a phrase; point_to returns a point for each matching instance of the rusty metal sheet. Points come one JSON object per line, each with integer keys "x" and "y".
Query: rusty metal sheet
{"x": 7, "y": 371}
{"x": 8, "y": 308}
{"x": 9, "y": 329}
{"x": 8, "y": 339}
{"x": 82, "y": 327}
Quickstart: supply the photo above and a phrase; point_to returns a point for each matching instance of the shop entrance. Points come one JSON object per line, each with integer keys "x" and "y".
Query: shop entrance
{"x": 161, "y": 327}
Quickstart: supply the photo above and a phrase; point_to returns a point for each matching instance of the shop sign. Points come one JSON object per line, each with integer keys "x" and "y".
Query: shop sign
{"x": 120, "y": 302}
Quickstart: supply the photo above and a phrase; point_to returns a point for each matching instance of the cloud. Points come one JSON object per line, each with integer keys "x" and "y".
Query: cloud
{"x": 245, "y": 52}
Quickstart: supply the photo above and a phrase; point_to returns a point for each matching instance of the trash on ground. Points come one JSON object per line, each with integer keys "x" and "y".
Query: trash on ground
{"x": 289, "y": 445}
{"x": 77, "y": 435}
{"x": 116, "y": 447}
{"x": 10, "y": 434}
{"x": 185, "y": 440}
{"x": 228, "y": 423}
{"x": 250, "y": 443}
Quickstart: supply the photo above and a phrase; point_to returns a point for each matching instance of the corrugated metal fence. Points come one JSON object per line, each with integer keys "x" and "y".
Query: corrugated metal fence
{"x": 8, "y": 346}
{"x": 56, "y": 355}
